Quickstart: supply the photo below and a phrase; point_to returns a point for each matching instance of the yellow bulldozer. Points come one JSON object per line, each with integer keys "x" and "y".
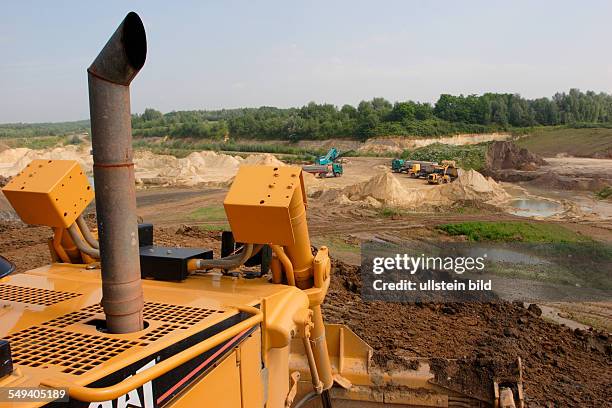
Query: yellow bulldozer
{"x": 116, "y": 321}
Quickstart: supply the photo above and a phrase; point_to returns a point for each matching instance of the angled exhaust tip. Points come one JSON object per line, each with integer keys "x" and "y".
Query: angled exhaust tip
{"x": 109, "y": 78}
{"x": 124, "y": 54}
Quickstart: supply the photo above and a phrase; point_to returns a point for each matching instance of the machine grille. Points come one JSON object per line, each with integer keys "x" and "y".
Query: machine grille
{"x": 51, "y": 344}
{"x": 75, "y": 353}
{"x": 68, "y": 319}
{"x": 33, "y": 296}
{"x": 181, "y": 316}
{"x": 158, "y": 333}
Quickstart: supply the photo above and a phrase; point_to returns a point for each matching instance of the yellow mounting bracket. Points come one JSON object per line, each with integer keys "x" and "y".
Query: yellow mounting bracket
{"x": 50, "y": 192}
{"x": 257, "y": 205}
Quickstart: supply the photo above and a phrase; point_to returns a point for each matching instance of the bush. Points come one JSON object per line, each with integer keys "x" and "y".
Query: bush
{"x": 512, "y": 231}
{"x": 467, "y": 157}
{"x": 604, "y": 193}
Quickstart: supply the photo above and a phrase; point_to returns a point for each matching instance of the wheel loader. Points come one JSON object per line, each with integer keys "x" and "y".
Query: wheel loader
{"x": 115, "y": 321}
{"x": 445, "y": 173}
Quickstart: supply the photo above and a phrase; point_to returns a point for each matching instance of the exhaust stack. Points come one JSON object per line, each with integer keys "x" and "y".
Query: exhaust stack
{"x": 109, "y": 79}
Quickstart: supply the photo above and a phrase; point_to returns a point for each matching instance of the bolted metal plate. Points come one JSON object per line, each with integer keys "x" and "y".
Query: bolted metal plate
{"x": 257, "y": 205}
{"x": 50, "y": 192}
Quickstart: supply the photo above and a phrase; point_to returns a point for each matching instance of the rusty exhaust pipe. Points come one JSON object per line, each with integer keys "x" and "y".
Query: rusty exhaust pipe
{"x": 109, "y": 79}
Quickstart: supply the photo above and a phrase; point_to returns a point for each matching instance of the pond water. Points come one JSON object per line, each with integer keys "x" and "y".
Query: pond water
{"x": 534, "y": 207}
{"x": 510, "y": 255}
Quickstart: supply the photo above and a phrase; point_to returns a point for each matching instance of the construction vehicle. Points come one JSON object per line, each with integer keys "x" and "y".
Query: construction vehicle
{"x": 418, "y": 169}
{"x": 116, "y": 321}
{"x": 413, "y": 168}
{"x": 398, "y": 165}
{"x": 326, "y": 165}
{"x": 445, "y": 173}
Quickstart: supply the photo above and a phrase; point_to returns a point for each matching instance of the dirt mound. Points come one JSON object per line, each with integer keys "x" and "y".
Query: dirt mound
{"x": 473, "y": 186}
{"x": 385, "y": 189}
{"x": 265, "y": 159}
{"x": 551, "y": 180}
{"x": 507, "y": 155}
{"x": 206, "y": 167}
{"x": 471, "y": 343}
{"x": 397, "y": 144}
{"x": 12, "y": 161}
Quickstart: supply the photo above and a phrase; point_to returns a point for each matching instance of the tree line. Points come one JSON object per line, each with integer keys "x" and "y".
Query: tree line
{"x": 378, "y": 117}
{"x": 450, "y": 114}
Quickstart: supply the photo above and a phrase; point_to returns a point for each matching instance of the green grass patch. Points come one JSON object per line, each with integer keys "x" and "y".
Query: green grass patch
{"x": 512, "y": 231}
{"x": 605, "y": 193}
{"x": 337, "y": 243}
{"x": 579, "y": 142}
{"x": 390, "y": 212}
{"x": 42, "y": 142}
{"x": 215, "y": 227}
{"x": 467, "y": 157}
{"x": 209, "y": 213}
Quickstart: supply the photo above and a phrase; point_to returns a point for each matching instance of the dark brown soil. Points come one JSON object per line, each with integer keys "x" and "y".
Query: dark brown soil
{"x": 507, "y": 155}
{"x": 468, "y": 344}
{"x": 560, "y": 366}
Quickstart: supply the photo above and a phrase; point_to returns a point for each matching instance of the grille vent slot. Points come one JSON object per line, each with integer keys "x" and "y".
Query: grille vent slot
{"x": 68, "y": 319}
{"x": 158, "y": 333}
{"x": 33, "y": 296}
{"x": 74, "y": 353}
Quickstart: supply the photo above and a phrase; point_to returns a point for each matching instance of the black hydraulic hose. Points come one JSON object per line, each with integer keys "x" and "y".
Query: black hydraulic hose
{"x": 232, "y": 261}
{"x": 326, "y": 399}
{"x": 305, "y": 399}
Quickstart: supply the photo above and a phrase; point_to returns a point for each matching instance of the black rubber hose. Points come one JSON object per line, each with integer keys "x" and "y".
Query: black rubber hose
{"x": 305, "y": 399}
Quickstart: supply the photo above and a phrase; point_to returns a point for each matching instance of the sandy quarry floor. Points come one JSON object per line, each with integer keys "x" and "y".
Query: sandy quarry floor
{"x": 577, "y": 166}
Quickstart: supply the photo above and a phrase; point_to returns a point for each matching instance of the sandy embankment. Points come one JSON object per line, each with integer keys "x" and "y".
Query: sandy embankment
{"x": 375, "y": 187}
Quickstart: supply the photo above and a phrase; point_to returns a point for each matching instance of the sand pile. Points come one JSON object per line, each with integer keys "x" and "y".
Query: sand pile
{"x": 12, "y": 161}
{"x": 265, "y": 159}
{"x": 204, "y": 167}
{"x": 385, "y": 189}
{"x": 473, "y": 186}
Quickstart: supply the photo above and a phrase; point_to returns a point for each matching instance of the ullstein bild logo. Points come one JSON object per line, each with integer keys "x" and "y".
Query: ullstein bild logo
{"x": 139, "y": 397}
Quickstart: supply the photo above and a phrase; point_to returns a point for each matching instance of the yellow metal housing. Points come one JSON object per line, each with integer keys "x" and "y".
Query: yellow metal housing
{"x": 257, "y": 205}
{"x": 50, "y": 192}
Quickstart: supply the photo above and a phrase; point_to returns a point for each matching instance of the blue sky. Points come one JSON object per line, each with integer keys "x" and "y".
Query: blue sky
{"x": 206, "y": 55}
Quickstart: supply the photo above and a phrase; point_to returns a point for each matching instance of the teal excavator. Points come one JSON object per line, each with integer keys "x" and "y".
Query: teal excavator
{"x": 326, "y": 166}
